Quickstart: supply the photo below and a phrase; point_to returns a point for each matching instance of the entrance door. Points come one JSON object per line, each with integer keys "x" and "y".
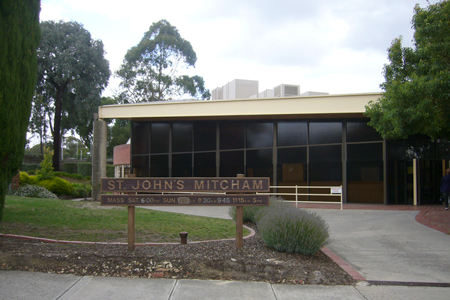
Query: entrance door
{"x": 429, "y": 179}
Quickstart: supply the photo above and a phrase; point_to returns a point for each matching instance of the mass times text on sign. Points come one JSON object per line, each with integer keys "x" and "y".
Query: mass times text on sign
{"x": 184, "y": 200}
{"x": 183, "y": 184}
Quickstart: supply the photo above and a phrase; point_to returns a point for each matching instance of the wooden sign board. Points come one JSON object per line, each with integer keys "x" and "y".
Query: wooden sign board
{"x": 185, "y": 200}
{"x": 186, "y": 184}
{"x": 229, "y": 186}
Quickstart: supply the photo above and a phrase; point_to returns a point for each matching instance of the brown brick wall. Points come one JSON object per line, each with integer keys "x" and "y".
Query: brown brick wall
{"x": 122, "y": 154}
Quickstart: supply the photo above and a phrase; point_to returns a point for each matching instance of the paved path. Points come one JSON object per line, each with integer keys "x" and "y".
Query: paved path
{"x": 37, "y": 286}
{"x": 220, "y": 212}
{"x": 389, "y": 245}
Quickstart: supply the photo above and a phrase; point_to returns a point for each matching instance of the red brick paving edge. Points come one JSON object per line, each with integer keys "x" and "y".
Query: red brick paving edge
{"x": 420, "y": 217}
{"x": 343, "y": 264}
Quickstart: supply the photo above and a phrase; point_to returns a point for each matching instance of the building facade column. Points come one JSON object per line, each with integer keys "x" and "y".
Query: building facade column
{"x": 98, "y": 157}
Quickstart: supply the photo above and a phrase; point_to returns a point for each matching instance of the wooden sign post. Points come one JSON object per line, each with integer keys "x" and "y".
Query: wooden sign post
{"x": 147, "y": 192}
{"x": 131, "y": 227}
{"x": 240, "y": 223}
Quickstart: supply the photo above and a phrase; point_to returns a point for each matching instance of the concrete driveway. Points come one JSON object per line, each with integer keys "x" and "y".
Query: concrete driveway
{"x": 388, "y": 245}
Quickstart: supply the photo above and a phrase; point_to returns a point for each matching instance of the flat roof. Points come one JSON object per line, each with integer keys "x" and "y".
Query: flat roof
{"x": 324, "y": 106}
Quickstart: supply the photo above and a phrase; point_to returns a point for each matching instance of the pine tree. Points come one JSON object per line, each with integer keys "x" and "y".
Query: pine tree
{"x": 19, "y": 38}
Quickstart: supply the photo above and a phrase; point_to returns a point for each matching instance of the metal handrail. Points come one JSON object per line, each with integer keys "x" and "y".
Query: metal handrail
{"x": 336, "y": 193}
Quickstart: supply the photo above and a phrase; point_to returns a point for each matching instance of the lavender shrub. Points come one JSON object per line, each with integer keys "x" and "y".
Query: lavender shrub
{"x": 293, "y": 230}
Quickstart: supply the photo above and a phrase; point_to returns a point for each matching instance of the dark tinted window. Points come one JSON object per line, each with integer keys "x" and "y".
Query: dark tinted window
{"x": 159, "y": 165}
{"x": 292, "y": 155}
{"x": 365, "y": 162}
{"x": 292, "y": 133}
{"x": 205, "y": 164}
{"x": 261, "y": 157}
{"x": 325, "y": 133}
{"x": 365, "y": 152}
{"x": 140, "y": 166}
{"x": 325, "y": 163}
{"x": 292, "y": 165}
{"x": 204, "y": 136}
{"x": 231, "y": 135}
{"x": 231, "y": 163}
{"x": 182, "y": 165}
{"x": 361, "y": 132}
{"x": 160, "y": 138}
{"x": 259, "y": 135}
{"x": 182, "y": 137}
{"x": 259, "y": 163}
{"x": 140, "y": 138}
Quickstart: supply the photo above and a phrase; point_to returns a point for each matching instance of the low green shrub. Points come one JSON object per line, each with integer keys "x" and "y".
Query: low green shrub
{"x": 25, "y": 178}
{"x": 69, "y": 175}
{"x": 84, "y": 168}
{"x": 34, "y": 191}
{"x": 70, "y": 167}
{"x": 81, "y": 190}
{"x": 57, "y": 185}
{"x": 293, "y": 230}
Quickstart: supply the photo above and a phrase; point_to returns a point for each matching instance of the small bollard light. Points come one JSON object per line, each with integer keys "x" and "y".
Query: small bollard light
{"x": 183, "y": 236}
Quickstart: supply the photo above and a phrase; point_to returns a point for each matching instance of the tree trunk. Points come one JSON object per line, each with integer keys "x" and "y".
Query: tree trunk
{"x": 57, "y": 131}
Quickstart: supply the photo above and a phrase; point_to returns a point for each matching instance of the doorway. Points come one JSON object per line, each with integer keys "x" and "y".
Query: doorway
{"x": 429, "y": 177}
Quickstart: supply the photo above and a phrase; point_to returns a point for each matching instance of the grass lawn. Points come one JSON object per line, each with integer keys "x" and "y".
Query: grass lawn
{"x": 88, "y": 221}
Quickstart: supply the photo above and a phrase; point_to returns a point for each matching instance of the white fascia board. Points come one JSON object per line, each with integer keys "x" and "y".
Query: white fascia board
{"x": 328, "y": 104}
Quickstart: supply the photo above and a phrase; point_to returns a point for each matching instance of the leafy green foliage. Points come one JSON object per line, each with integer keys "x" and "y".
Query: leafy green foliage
{"x": 72, "y": 72}
{"x": 25, "y": 179}
{"x": 81, "y": 190}
{"x": 110, "y": 171}
{"x": 149, "y": 70}
{"x": 69, "y": 167}
{"x": 69, "y": 175}
{"x": 118, "y": 134}
{"x": 29, "y": 168}
{"x": 293, "y": 230}
{"x": 57, "y": 186}
{"x": 416, "y": 97}
{"x": 74, "y": 148}
{"x": 46, "y": 170}
{"x": 85, "y": 169}
{"x": 34, "y": 191}
{"x": 19, "y": 36}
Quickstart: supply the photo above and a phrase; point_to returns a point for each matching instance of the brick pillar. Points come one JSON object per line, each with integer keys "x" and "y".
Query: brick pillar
{"x": 15, "y": 181}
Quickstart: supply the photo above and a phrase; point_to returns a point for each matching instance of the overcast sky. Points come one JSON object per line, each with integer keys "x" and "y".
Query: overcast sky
{"x": 334, "y": 46}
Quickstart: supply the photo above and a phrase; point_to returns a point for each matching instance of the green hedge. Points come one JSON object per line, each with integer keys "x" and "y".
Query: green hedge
{"x": 29, "y": 168}
{"x": 70, "y": 167}
{"x": 109, "y": 171}
{"x": 84, "y": 169}
{"x": 57, "y": 186}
